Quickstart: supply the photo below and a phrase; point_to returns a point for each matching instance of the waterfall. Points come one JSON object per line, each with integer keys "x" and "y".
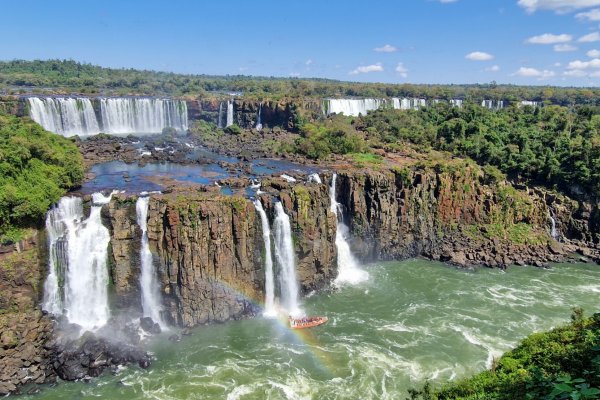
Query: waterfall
{"x": 151, "y": 300}
{"x": 408, "y": 104}
{"x": 269, "y": 278}
{"x": 220, "y": 117}
{"x": 530, "y": 103}
{"x": 348, "y": 269}
{"x": 553, "y": 231}
{"x": 314, "y": 178}
{"x": 286, "y": 259}
{"x": 351, "y": 107}
{"x": 456, "y": 103}
{"x": 229, "y": 121}
{"x": 78, "y": 252}
{"x": 66, "y": 116}
{"x": 258, "y": 118}
{"x": 492, "y": 105}
{"x": 137, "y": 115}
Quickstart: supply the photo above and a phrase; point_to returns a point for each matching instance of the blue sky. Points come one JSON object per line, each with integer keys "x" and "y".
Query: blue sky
{"x": 539, "y": 42}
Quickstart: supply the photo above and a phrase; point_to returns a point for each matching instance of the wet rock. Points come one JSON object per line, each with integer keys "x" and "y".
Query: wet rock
{"x": 148, "y": 325}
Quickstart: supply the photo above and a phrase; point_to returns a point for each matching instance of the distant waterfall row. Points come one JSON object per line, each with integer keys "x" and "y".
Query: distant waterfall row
{"x": 356, "y": 107}
{"x": 71, "y": 116}
{"x": 77, "y": 282}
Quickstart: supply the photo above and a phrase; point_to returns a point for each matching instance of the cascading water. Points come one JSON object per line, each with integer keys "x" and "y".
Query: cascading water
{"x": 78, "y": 257}
{"x": 229, "y": 121}
{"x": 258, "y": 118}
{"x": 456, "y": 103}
{"x": 408, "y": 104}
{"x": 269, "y": 277}
{"x": 553, "y": 230}
{"x": 76, "y": 116}
{"x": 286, "y": 259}
{"x": 348, "y": 269}
{"x": 151, "y": 300}
{"x": 66, "y": 116}
{"x": 220, "y": 117}
{"x": 352, "y": 107}
{"x": 136, "y": 115}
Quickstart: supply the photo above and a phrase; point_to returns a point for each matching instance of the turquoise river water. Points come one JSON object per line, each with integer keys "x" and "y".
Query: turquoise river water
{"x": 411, "y": 321}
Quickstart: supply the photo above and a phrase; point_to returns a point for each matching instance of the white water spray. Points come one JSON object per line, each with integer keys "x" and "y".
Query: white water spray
{"x": 258, "y": 118}
{"x": 220, "y": 117}
{"x": 269, "y": 278}
{"x": 229, "y": 121}
{"x": 78, "y": 254}
{"x": 151, "y": 299}
{"x": 286, "y": 259}
{"x": 348, "y": 269}
{"x": 553, "y": 230}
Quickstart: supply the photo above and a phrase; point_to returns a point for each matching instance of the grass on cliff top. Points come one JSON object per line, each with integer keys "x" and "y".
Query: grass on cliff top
{"x": 563, "y": 363}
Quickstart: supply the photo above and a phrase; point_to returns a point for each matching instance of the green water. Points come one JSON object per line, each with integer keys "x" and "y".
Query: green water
{"x": 411, "y": 321}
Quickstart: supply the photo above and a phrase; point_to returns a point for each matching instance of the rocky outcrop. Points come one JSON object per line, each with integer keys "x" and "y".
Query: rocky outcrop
{"x": 281, "y": 114}
{"x": 209, "y": 250}
{"x": 24, "y": 331}
{"x": 451, "y": 214}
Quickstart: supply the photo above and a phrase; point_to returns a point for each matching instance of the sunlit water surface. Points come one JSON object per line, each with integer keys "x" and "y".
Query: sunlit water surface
{"x": 410, "y": 321}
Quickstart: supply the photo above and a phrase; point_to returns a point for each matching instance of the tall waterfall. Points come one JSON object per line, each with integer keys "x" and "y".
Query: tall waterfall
{"x": 220, "y": 117}
{"x": 286, "y": 259}
{"x": 70, "y": 116}
{"x": 78, "y": 252}
{"x": 135, "y": 115}
{"x": 229, "y": 121}
{"x": 456, "y": 103}
{"x": 348, "y": 269}
{"x": 553, "y": 231}
{"x": 258, "y": 118}
{"x": 151, "y": 299}
{"x": 269, "y": 276}
{"x": 353, "y": 107}
{"x": 66, "y": 116}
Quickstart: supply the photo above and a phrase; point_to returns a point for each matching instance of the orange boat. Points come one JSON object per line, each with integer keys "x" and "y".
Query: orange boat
{"x": 306, "y": 322}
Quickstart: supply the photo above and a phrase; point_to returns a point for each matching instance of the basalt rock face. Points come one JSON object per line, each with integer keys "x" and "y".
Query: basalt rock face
{"x": 245, "y": 112}
{"x": 453, "y": 216}
{"x": 24, "y": 331}
{"x": 208, "y": 250}
{"x": 313, "y": 228}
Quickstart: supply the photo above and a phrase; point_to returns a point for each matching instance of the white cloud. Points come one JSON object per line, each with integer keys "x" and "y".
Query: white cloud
{"x": 592, "y": 15}
{"x": 549, "y": 38}
{"x": 577, "y": 64}
{"x": 593, "y": 53}
{"x": 576, "y": 73}
{"x": 562, "y": 48}
{"x": 402, "y": 70}
{"x": 294, "y": 74}
{"x": 388, "y": 48}
{"x": 590, "y": 37}
{"x": 493, "y": 68}
{"x": 559, "y": 6}
{"x": 534, "y": 73}
{"x": 367, "y": 68}
{"x": 447, "y": 1}
{"x": 308, "y": 62}
{"x": 479, "y": 56}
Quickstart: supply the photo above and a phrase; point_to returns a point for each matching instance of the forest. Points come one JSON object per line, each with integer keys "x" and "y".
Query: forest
{"x": 68, "y": 76}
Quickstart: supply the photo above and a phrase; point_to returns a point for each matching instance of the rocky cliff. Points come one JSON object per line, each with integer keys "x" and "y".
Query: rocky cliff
{"x": 281, "y": 114}
{"x": 209, "y": 250}
{"x": 455, "y": 214}
{"x": 24, "y": 332}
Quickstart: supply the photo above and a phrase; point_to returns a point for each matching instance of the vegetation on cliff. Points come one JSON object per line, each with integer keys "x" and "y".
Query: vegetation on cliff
{"x": 563, "y": 363}
{"x": 71, "y": 76}
{"x": 36, "y": 168}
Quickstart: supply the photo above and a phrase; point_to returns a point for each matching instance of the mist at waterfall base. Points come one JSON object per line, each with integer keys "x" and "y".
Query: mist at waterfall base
{"x": 348, "y": 270}
{"x": 411, "y": 321}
